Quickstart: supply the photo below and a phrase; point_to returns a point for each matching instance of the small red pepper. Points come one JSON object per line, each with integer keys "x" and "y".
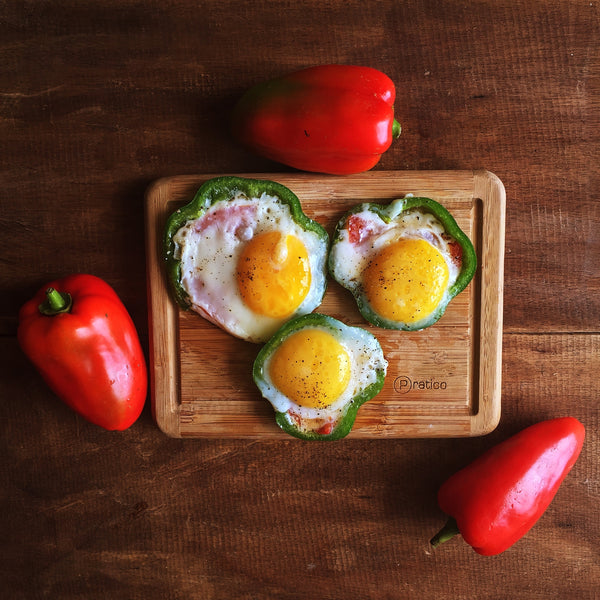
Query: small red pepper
{"x": 498, "y": 498}
{"x": 335, "y": 119}
{"x": 80, "y": 337}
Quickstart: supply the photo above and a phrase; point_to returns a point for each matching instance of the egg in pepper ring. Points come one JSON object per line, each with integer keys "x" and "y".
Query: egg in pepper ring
{"x": 243, "y": 255}
{"x": 316, "y": 372}
{"x": 403, "y": 262}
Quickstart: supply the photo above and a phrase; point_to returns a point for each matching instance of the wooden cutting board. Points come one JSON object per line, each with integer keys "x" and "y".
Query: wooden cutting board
{"x": 443, "y": 381}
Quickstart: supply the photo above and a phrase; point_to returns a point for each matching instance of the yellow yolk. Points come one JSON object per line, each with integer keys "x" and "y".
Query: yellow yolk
{"x": 311, "y": 368}
{"x": 406, "y": 280}
{"x": 273, "y": 274}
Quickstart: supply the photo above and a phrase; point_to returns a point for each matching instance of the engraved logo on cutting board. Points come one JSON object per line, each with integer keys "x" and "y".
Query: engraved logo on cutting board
{"x": 404, "y": 384}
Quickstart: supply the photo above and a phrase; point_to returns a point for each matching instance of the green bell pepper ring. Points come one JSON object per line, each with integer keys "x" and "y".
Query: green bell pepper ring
{"x": 217, "y": 190}
{"x": 330, "y": 422}
{"x": 461, "y": 247}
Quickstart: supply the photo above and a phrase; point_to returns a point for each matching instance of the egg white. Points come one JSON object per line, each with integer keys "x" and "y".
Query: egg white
{"x": 209, "y": 248}
{"x": 366, "y": 359}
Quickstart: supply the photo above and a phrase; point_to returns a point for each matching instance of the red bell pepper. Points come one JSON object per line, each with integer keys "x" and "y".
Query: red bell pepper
{"x": 498, "y": 498}
{"x": 335, "y": 119}
{"x": 80, "y": 337}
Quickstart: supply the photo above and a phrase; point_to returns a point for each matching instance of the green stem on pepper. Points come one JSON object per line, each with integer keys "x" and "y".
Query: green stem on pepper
{"x": 447, "y": 532}
{"x": 55, "y": 303}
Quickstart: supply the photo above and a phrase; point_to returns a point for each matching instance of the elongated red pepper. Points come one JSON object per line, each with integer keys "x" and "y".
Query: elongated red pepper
{"x": 82, "y": 340}
{"x": 498, "y": 498}
{"x": 335, "y": 119}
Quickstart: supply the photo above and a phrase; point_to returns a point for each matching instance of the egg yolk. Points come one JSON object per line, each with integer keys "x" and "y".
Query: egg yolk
{"x": 406, "y": 280}
{"x": 311, "y": 368}
{"x": 273, "y": 274}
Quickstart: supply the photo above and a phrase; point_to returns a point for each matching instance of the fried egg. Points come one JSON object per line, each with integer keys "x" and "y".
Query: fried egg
{"x": 248, "y": 266}
{"x": 399, "y": 262}
{"x": 316, "y": 372}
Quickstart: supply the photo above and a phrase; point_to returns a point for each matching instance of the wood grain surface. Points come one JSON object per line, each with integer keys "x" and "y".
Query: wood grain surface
{"x": 441, "y": 382}
{"x": 99, "y": 100}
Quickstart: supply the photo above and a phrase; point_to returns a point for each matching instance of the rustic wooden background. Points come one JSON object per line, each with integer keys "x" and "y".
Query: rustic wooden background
{"x": 97, "y": 100}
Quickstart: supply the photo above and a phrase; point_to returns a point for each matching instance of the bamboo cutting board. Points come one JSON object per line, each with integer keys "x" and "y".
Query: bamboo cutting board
{"x": 443, "y": 381}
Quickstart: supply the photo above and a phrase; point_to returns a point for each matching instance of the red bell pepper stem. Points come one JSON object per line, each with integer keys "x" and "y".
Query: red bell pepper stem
{"x": 447, "y": 532}
{"x": 396, "y": 129}
{"x": 55, "y": 303}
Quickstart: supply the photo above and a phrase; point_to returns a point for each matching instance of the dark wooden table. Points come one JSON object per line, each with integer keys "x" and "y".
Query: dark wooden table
{"x": 97, "y": 100}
